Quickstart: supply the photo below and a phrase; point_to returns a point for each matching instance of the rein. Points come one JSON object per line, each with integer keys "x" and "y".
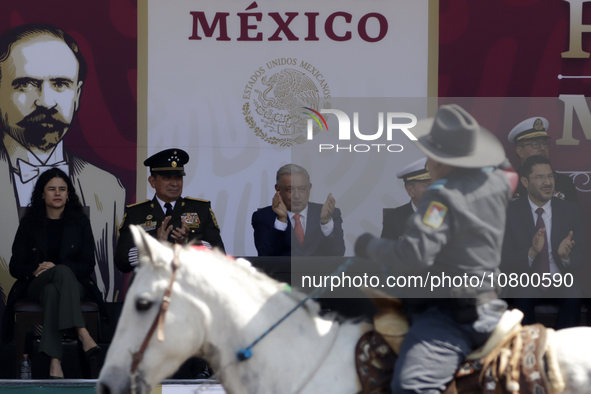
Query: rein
{"x": 246, "y": 353}
{"x": 157, "y": 323}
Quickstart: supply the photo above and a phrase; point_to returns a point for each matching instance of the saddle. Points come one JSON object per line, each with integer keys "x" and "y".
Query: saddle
{"x": 515, "y": 359}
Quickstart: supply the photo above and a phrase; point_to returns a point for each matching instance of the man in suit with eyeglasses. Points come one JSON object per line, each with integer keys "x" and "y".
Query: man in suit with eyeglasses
{"x": 530, "y": 137}
{"x": 545, "y": 236}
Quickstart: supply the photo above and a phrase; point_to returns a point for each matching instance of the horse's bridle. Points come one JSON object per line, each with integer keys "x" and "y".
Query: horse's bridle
{"x": 157, "y": 323}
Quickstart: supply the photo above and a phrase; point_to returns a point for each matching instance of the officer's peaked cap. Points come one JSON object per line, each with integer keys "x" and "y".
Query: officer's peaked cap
{"x": 415, "y": 171}
{"x": 168, "y": 162}
{"x": 536, "y": 127}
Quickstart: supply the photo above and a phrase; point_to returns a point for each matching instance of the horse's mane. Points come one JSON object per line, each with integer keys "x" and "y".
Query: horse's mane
{"x": 244, "y": 268}
{"x": 242, "y": 271}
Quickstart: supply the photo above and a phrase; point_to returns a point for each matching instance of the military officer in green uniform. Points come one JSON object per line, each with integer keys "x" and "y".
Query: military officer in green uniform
{"x": 168, "y": 216}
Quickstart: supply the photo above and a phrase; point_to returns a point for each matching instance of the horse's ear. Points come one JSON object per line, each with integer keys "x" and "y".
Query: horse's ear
{"x": 146, "y": 245}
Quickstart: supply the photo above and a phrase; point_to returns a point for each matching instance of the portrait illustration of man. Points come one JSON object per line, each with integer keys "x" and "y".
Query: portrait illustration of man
{"x": 42, "y": 75}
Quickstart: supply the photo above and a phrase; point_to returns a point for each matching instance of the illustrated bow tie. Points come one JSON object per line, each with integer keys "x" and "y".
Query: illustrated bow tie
{"x": 28, "y": 171}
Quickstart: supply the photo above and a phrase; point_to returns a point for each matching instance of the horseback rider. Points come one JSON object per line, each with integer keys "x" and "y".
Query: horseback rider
{"x": 456, "y": 231}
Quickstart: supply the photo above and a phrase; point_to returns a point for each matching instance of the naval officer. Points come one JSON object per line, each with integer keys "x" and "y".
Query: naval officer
{"x": 530, "y": 137}
{"x": 416, "y": 181}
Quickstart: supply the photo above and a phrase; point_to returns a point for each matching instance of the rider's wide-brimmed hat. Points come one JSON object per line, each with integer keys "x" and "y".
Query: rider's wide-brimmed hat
{"x": 453, "y": 137}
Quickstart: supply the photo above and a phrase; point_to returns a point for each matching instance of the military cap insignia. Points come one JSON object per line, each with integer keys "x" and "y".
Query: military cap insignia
{"x": 538, "y": 124}
{"x": 168, "y": 162}
{"x": 435, "y": 214}
{"x": 191, "y": 218}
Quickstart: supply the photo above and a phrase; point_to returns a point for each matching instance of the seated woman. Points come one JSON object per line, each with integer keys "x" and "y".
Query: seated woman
{"x": 52, "y": 260}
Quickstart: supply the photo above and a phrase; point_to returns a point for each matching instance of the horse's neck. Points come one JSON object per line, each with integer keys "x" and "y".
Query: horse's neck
{"x": 289, "y": 354}
{"x": 239, "y": 317}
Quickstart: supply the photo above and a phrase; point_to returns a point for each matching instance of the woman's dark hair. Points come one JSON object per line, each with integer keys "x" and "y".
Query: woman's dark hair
{"x": 36, "y": 211}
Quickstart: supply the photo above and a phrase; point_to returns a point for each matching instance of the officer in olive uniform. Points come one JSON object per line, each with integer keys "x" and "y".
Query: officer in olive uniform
{"x": 416, "y": 181}
{"x": 457, "y": 230}
{"x": 168, "y": 216}
{"x": 530, "y": 137}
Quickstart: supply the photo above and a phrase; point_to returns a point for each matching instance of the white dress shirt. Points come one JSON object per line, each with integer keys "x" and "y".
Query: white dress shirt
{"x": 162, "y": 204}
{"x": 326, "y": 228}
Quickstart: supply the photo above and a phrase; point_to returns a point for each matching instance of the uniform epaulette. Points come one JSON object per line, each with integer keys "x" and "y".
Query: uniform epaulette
{"x": 197, "y": 199}
{"x": 137, "y": 203}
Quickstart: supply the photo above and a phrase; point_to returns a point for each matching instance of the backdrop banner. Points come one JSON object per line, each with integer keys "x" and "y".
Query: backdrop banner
{"x": 231, "y": 83}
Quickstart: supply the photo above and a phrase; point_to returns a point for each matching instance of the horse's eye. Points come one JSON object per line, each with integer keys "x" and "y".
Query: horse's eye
{"x": 142, "y": 304}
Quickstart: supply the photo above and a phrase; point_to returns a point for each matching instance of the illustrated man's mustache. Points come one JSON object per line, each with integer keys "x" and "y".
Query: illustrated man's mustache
{"x": 42, "y": 117}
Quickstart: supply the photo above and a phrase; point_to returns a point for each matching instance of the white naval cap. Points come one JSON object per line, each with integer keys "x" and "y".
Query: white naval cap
{"x": 415, "y": 171}
{"x": 536, "y": 127}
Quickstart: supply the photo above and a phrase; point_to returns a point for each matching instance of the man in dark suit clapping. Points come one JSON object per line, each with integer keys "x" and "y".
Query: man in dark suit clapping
{"x": 544, "y": 236}
{"x": 292, "y": 226}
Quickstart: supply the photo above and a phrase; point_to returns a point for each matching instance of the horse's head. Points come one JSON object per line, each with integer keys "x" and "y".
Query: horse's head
{"x": 184, "y": 326}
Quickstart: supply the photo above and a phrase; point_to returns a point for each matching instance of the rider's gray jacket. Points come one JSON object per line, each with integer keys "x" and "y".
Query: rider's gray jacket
{"x": 457, "y": 232}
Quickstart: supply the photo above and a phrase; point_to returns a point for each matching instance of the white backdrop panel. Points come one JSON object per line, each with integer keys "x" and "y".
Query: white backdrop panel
{"x": 197, "y": 91}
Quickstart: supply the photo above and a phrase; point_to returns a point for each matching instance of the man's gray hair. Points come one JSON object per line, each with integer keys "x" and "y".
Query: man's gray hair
{"x": 289, "y": 169}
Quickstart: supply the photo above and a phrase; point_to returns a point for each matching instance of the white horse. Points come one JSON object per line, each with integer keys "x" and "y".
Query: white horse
{"x": 218, "y": 306}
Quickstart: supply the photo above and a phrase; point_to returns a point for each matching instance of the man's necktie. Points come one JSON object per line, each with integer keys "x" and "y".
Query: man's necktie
{"x": 544, "y": 262}
{"x": 168, "y": 207}
{"x": 299, "y": 230}
{"x": 27, "y": 171}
